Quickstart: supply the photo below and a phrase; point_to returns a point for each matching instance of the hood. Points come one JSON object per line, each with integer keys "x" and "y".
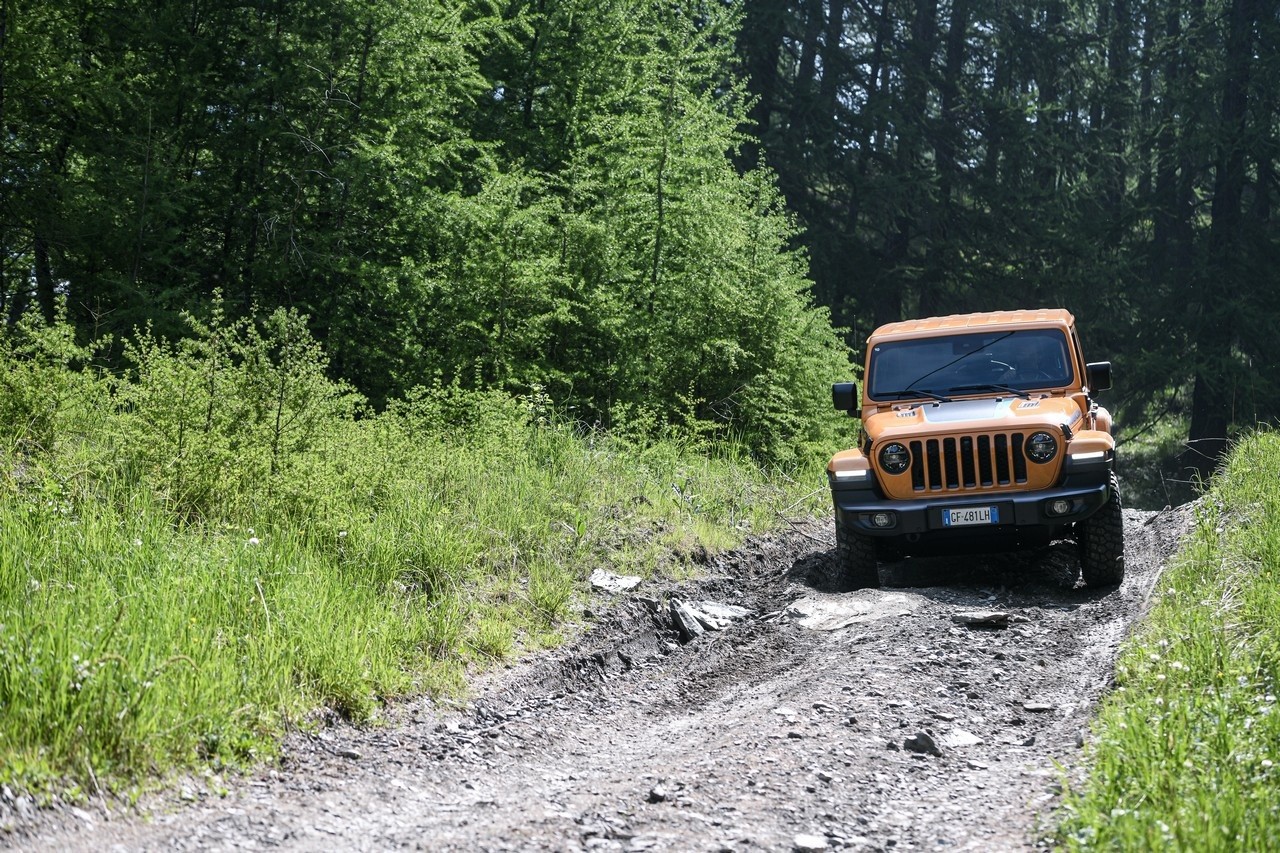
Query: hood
{"x": 988, "y": 414}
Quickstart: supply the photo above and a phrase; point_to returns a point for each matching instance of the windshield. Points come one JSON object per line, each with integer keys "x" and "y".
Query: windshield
{"x": 969, "y": 364}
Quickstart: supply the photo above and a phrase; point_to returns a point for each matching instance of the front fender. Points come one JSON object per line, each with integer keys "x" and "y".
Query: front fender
{"x": 850, "y": 469}
{"x": 1090, "y": 450}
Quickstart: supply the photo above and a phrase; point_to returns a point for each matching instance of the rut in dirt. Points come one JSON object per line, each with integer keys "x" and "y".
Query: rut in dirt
{"x": 871, "y": 720}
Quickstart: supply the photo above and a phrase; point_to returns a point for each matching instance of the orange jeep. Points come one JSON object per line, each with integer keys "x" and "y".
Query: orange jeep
{"x": 981, "y": 433}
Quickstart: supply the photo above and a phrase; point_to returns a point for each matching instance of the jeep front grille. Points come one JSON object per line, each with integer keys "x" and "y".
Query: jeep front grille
{"x": 968, "y": 462}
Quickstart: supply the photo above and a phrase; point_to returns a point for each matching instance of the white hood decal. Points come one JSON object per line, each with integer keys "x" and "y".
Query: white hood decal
{"x": 958, "y": 411}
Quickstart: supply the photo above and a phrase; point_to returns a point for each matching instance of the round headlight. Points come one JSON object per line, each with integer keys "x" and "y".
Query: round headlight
{"x": 1042, "y": 447}
{"x": 895, "y": 458}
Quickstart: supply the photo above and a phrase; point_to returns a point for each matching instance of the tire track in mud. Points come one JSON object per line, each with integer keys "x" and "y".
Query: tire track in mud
{"x": 763, "y": 736}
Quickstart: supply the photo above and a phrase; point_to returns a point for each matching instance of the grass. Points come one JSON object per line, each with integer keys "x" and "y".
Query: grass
{"x": 1187, "y": 747}
{"x": 131, "y": 644}
{"x": 186, "y": 571}
{"x": 1151, "y": 475}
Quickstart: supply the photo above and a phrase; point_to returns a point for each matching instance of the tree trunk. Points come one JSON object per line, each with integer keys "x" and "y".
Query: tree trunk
{"x": 877, "y": 82}
{"x": 947, "y": 138}
{"x": 760, "y": 42}
{"x": 887, "y": 302}
{"x": 1146, "y": 89}
{"x": 1221, "y": 296}
{"x": 1117, "y": 115}
{"x": 832, "y": 62}
{"x": 44, "y": 277}
{"x": 806, "y": 71}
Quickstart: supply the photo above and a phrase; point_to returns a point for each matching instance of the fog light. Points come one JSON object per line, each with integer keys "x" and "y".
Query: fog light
{"x": 882, "y": 519}
{"x": 1059, "y": 507}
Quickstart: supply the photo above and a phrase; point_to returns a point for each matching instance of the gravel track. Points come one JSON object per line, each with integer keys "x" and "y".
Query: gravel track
{"x": 795, "y": 728}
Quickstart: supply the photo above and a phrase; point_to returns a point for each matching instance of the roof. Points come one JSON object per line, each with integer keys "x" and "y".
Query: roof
{"x": 1036, "y": 318}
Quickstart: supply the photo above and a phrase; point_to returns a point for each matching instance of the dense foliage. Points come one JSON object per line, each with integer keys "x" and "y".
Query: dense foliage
{"x": 580, "y": 198}
{"x": 1116, "y": 157}
{"x": 212, "y": 546}
{"x": 531, "y": 198}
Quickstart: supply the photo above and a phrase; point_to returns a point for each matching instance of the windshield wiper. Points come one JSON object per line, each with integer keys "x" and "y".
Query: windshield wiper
{"x": 914, "y": 392}
{"x": 991, "y": 386}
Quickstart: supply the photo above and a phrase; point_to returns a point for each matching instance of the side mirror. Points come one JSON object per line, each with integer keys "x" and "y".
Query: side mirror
{"x": 1098, "y": 375}
{"x": 844, "y": 396}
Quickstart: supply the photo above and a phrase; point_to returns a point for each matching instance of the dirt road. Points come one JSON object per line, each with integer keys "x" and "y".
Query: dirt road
{"x": 866, "y": 721}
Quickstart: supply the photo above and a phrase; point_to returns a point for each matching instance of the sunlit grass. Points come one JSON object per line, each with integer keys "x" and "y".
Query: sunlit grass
{"x": 189, "y": 565}
{"x": 134, "y": 640}
{"x": 1187, "y": 748}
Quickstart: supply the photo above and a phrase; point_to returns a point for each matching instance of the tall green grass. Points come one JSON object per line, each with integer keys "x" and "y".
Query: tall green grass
{"x": 1187, "y": 752}
{"x": 199, "y": 553}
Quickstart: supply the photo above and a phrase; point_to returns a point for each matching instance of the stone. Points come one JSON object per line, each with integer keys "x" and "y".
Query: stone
{"x": 685, "y": 621}
{"x": 715, "y": 616}
{"x": 957, "y": 738}
{"x": 658, "y": 793}
{"x": 610, "y": 582}
{"x": 982, "y": 618}
{"x": 807, "y": 843}
{"x": 922, "y": 743}
{"x": 693, "y": 619}
{"x": 827, "y": 613}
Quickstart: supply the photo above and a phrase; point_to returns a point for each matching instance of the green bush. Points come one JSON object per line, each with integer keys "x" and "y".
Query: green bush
{"x": 223, "y": 540}
{"x": 42, "y": 391}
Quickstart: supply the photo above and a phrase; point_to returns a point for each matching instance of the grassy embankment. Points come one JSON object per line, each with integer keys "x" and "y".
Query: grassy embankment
{"x": 197, "y": 555}
{"x": 1187, "y": 748}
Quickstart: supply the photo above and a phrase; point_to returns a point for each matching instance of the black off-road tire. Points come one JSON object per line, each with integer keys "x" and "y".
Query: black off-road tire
{"x": 1101, "y": 541}
{"x": 855, "y": 565}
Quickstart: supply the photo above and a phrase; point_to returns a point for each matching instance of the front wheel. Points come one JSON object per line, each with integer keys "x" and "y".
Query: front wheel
{"x": 855, "y": 561}
{"x": 1101, "y": 541}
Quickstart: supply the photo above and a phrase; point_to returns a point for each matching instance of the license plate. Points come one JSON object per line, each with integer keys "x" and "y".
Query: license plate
{"x": 970, "y": 515}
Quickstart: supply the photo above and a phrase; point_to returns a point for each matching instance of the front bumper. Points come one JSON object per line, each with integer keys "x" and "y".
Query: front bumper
{"x": 857, "y": 509}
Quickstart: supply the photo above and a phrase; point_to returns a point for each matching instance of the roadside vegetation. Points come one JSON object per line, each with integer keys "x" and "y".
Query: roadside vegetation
{"x": 1187, "y": 748}
{"x": 213, "y": 546}
{"x": 1152, "y": 474}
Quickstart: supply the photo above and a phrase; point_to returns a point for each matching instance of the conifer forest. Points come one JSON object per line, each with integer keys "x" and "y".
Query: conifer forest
{"x": 655, "y": 214}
